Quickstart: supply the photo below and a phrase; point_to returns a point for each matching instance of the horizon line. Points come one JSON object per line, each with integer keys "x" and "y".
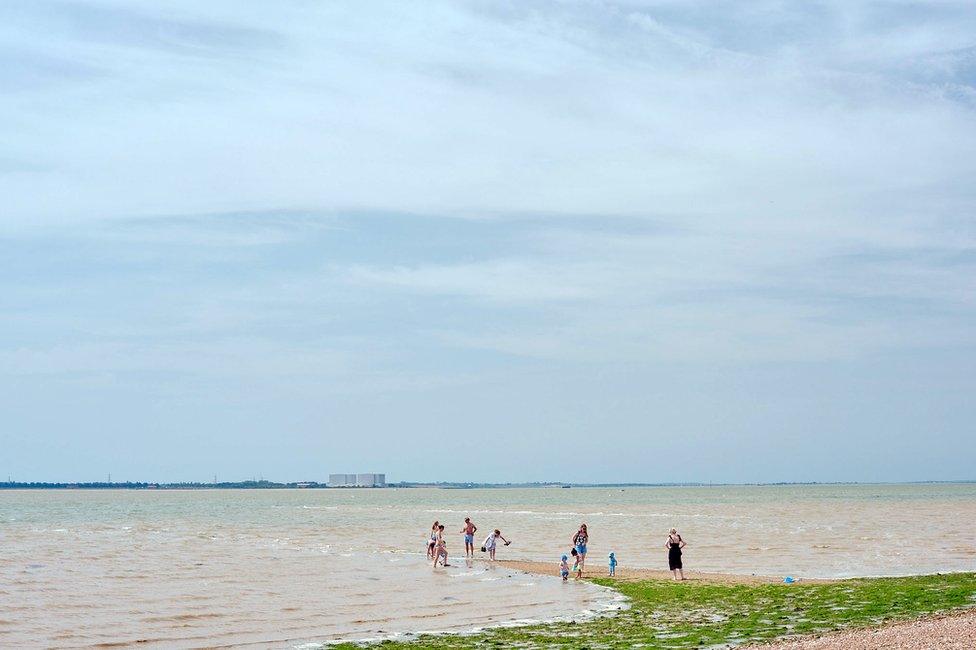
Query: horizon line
{"x": 269, "y": 484}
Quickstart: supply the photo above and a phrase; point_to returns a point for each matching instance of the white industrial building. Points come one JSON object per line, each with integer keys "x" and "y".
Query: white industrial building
{"x": 370, "y": 480}
{"x": 357, "y": 480}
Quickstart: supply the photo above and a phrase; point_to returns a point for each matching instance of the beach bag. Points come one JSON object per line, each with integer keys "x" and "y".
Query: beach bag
{"x": 483, "y": 549}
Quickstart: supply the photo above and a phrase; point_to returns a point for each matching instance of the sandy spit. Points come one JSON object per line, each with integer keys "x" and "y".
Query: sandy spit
{"x": 630, "y": 575}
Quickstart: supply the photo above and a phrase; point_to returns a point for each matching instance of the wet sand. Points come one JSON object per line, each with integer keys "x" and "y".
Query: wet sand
{"x": 948, "y": 632}
{"x": 631, "y": 575}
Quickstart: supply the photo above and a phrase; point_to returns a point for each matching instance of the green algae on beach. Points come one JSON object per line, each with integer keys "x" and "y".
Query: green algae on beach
{"x": 666, "y": 614}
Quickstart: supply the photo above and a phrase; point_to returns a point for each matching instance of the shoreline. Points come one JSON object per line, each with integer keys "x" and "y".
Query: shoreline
{"x": 442, "y": 485}
{"x": 750, "y": 612}
{"x": 636, "y": 574}
{"x": 639, "y": 574}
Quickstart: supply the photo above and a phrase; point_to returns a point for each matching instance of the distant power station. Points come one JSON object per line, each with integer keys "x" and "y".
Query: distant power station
{"x": 357, "y": 480}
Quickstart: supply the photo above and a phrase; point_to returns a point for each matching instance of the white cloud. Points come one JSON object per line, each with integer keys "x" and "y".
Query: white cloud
{"x": 502, "y": 281}
{"x": 572, "y": 109}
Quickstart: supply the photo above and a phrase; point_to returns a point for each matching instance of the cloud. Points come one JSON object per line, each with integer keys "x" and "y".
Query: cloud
{"x": 574, "y": 109}
{"x": 175, "y": 30}
{"x": 511, "y": 201}
{"x": 502, "y": 281}
{"x": 226, "y": 230}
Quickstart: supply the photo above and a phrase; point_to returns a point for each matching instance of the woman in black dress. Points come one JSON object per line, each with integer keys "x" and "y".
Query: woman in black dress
{"x": 674, "y": 546}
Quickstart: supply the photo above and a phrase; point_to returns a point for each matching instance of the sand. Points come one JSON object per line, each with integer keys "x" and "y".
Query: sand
{"x": 629, "y": 575}
{"x": 949, "y": 632}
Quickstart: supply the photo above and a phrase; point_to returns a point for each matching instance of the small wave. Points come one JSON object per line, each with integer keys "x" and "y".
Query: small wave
{"x": 373, "y": 620}
{"x": 177, "y": 618}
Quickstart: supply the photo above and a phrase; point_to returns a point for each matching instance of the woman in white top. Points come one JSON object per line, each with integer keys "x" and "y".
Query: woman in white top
{"x": 440, "y": 547}
{"x": 432, "y": 540}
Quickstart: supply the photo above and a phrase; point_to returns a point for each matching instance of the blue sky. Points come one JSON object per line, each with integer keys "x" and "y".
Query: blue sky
{"x": 636, "y": 241}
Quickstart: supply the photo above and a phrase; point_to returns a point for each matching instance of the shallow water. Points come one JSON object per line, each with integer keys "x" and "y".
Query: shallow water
{"x": 291, "y": 567}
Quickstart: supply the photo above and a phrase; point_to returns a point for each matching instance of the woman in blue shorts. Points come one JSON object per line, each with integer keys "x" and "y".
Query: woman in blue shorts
{"x": 579, "y": 543}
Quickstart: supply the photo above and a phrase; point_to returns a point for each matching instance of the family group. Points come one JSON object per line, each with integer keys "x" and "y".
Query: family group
{"x": 437, "y": 549}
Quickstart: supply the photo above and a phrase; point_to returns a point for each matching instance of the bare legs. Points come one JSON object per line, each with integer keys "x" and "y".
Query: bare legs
{"x": 441, "y": 553}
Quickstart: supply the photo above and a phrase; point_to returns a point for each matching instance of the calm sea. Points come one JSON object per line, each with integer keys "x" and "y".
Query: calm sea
{"x": 299, "y": 568}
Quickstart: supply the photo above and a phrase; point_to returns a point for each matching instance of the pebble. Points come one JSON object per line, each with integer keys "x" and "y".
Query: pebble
{"x": 949, "y": 632}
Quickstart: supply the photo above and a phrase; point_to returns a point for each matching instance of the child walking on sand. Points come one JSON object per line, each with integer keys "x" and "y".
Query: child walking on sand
{"x": 613, "y": 564}
{"x": 577, "y": 567}
{"x": 564, "y": 568}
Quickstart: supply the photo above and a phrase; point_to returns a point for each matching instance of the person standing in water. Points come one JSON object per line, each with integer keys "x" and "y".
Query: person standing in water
{"x": 440, "y": 547}
{"x": 674, "y": 546}
{"x": 468, "y": 531}
{"x": 580, "y": 540}
{"x": 432, "y": 540}
{"x": 491, "y": 541}
{"x": 564, "y": 568}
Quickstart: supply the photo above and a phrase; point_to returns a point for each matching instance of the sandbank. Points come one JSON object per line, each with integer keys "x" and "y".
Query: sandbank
{"x": 635, "y": 574}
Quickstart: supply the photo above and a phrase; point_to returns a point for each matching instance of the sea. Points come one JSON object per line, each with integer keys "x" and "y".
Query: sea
{"x": 307, "y": 568}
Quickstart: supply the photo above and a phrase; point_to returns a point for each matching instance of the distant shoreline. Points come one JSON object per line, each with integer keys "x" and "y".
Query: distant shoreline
{"x": 298, "y": 485}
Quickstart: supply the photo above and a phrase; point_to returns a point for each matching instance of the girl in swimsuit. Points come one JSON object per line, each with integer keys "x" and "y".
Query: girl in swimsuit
{"x": 432, "y": 540}
{"x": 674, "y": 546}
{"x": 440, "y": 547}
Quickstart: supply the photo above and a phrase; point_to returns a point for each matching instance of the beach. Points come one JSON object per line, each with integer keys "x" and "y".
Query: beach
{"x": 955, "y": 630}
{"x": 912, "y": 612}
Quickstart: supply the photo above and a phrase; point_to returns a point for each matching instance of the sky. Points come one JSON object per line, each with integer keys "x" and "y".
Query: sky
{"x": 649, "y": 241}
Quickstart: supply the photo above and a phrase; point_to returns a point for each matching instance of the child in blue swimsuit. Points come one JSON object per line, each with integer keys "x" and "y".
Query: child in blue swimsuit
{"x": 613, "y": 564}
